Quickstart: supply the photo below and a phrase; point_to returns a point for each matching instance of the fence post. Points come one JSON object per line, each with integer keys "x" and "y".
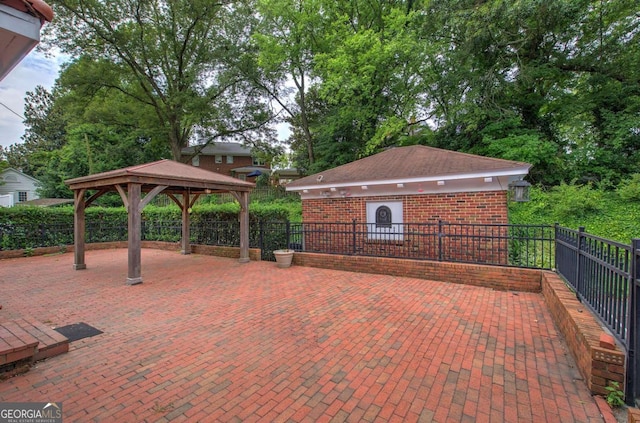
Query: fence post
{"x": 581, "y": 230}
{"x": 633, "y": 358}
{"x": 556, "y": 227}
{"x": 440, "y": 235}
{"x": 288, "y": 234}
{"x": 261, "y": 237}
{"x": 353, "y": 237}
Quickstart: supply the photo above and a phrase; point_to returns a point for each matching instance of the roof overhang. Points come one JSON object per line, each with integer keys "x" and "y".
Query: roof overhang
{"x": 19, "y": 34}
{"x": 494, "y": 180}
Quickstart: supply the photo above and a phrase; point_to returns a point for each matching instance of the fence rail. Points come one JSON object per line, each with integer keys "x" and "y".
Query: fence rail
{"x": 606, "y": 277}
{"x": 599, "y": 271}
{"x": 506, "y": 245}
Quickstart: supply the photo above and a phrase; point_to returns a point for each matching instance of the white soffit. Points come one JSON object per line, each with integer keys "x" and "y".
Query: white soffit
{"x": 517, "y": 173}
{"x": 19, "y": 34}
{"x": 435, "y": 186}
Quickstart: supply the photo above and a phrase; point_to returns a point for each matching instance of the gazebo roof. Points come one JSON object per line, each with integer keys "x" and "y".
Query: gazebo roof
{"x": 176, "y": 176}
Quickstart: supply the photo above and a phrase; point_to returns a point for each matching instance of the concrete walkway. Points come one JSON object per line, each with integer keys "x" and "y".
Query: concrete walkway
{"x": 208, "y": 339}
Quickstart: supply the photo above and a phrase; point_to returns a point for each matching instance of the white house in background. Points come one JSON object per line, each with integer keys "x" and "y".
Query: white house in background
{"x": 16, "y": 187}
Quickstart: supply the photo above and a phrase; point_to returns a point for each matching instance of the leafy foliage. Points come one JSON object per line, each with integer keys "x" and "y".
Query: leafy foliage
{"x": 629, "y": 189}
{"x": 615, "y": 396}
{"x": 553, "y": 83}
{"x": 29, "y": 227}
{"x": 610, "y": 216}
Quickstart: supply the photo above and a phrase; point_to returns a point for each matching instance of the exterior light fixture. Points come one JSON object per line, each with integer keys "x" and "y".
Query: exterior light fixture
{"x": 333, "y": 189}
{"x": 306, "y": 191}
{"x": 440, "y": 183}
{"x": 519, "y": 191}
{"x": 488, "y": 179}
{"x": 364, "y": 187}
{"x": 400, "y": 185}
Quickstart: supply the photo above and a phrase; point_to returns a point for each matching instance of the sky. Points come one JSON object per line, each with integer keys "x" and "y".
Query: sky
{"x": 33, "y": 70}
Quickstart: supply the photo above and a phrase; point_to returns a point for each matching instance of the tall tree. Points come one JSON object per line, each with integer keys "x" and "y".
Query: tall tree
{"x": 369, "y": 78}
{"x": 44, "y": 133}
{"x": 179, "y": 57}
{"x": 289, "y": 34}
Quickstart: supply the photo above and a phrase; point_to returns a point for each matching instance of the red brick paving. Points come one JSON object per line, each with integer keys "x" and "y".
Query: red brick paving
{"x": 209, "y": 339}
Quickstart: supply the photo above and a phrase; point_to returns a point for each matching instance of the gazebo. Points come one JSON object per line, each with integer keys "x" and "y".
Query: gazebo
{"x": 184, "y": 184}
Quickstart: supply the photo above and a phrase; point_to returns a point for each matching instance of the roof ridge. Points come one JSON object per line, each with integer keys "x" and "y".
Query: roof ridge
{"x": 475, "y": 156}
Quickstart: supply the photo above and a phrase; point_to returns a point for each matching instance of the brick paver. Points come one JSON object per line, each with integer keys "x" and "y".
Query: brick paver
{"x": 208, "y": 339}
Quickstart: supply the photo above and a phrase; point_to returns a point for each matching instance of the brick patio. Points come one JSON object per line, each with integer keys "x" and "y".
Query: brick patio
{"x": 208, "y": 339}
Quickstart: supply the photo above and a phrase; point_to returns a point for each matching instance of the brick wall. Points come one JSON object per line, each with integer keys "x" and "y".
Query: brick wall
{"x": 220, "y": 251}
{"x": 465, "y": 207}
{"x": 496, "y": 277}
{"x": 599, "y": 360}
{"x": 464, "y": 243}
{"x": 209, "y": 163}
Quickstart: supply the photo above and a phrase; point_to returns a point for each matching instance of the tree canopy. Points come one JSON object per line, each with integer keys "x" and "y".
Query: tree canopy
{"x": 553, "y": 83}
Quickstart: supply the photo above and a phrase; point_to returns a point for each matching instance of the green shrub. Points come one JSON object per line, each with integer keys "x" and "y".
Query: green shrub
{"x": 629, "y": 189}
{"x": 575, "y": 201}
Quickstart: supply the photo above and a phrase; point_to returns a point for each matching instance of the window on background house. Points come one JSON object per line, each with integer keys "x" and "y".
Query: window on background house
{"x": 195, "y": 161}
{"x": 242, "y": 176}
{"x": 22, "y": 196}
{"x": 218, "y": 158}
{"x": 258, "y": 162}
{"x": 229, "y": 159}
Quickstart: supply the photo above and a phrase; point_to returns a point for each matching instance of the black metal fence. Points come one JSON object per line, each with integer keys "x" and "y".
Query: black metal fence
{"x": 507, "y": 245}
{"x": 606, "y": 277}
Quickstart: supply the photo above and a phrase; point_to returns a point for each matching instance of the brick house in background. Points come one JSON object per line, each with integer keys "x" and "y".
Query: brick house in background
{"x": 232, "y": 159}
{"x": 398, "y": 193}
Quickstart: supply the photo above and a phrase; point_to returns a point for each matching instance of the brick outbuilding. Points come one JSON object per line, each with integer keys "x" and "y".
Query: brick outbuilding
{"x": 415, "y": 184}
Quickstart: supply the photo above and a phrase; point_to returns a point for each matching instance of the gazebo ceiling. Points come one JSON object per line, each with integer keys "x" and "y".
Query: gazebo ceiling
{"x": 177, "y": 177}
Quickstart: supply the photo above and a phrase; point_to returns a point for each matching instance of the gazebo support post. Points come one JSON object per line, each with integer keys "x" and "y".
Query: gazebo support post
{"x": 243, "y": 199}
{"x": 78, "y": 229}
{"x": 186, "y": 202}
{"x": 135, "y": 231}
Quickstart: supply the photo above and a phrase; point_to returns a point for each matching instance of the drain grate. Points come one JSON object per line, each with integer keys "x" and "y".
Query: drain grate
{"x": 78, "y": 331}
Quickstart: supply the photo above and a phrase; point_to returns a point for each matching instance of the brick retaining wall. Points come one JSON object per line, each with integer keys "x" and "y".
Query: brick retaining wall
{"x": 599, "y": 359}
{"x": 496, "y": 277}
{"x": 229, "y": 252}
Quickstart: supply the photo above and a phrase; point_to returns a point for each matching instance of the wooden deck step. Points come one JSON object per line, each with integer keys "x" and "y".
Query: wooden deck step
{"x": 27, "y": 339}
{"x": 52, "y": 343}
{"x": 16, "y": 344}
